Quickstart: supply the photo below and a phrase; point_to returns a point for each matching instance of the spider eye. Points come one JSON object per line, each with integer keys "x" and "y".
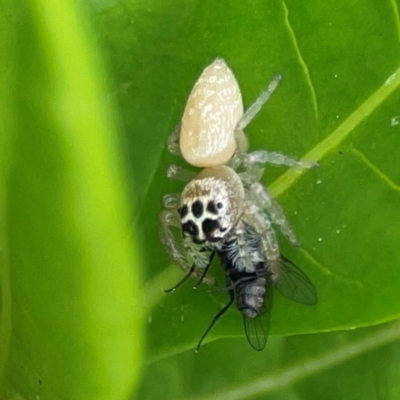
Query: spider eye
{"x": 220, "y": 205}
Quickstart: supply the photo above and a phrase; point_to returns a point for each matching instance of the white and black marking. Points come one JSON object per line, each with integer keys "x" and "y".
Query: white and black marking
{"x": 202, "y": 223}
{"x": 197, "y": 209}
{"x": 209, "y": 226}
{"x": 183, "y": 211}
{"x": 191, "y": 228}
{"x": 205, "y": 204}
{"x": 211, "y": 208}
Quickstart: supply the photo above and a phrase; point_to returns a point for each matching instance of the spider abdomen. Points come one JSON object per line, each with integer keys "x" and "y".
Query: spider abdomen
{"x": 211, "y": 115}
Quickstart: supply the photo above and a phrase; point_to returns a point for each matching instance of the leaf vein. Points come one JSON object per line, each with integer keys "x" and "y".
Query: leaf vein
{"x": 319, "y": 151}
{"x": 302, "y": 63}
{"x": 376, "y": 170}
{"x": 396, "y": 16}
{"x": 286, "y": 377}
{"x": 327, "y": 271}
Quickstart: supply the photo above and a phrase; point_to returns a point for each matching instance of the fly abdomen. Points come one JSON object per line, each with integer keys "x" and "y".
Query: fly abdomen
{"x": 250, "y": 296}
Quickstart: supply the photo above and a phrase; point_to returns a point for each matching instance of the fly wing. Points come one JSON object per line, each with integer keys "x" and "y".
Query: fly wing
{"x": 295, "y": 284}
{"x": 257, "y": 328}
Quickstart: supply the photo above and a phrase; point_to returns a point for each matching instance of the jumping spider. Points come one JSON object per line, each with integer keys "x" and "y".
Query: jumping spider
{"x": 225, "y": 210}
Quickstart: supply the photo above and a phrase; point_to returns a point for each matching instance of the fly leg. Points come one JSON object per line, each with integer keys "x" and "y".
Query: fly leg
{"x": 216, "y": 318}
{"x": 203, "y": 275}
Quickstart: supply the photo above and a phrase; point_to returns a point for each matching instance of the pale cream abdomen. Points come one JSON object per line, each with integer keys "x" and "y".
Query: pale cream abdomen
{"x": 211, "y": 114}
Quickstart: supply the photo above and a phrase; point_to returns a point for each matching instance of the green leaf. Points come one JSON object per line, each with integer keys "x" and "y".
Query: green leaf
{"x": 70, "y": 266}
{"x": 337, "y": 104}
{"x": 360, "y": 364}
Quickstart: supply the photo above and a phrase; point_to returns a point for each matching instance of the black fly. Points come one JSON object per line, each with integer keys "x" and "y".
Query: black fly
{"x": 253, "y": 289}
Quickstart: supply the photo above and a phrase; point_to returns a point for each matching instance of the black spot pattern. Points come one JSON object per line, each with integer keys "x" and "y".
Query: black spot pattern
{"x": 197, "y": 208}
{"x": 191, "y": 228}
{"x": 209, "y": 225}
{"x": 183, "y": 211}
{"x": 211, "y": 208}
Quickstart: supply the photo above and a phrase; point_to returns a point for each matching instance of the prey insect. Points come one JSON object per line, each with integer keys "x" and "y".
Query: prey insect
{"x": 224, "y": 209}
{"x": 253, "y": 289}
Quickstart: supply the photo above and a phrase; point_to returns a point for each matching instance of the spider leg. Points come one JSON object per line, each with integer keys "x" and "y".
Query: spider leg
{"x": 248, "y": 116}
{"x": 265, "y": 201}
{"x": 181, "y": 174}
{"x": 173, "y": 141}
{"x": 168, "y": 219}
{"x": 186, "y": 257}
{"x": 171, "y": 202}
{"x": 242, "y": 142}
{"x": 253, "y": 110}
{"x": 271, "y": 157}
{"x": 217, "y": 317}
{"x": 253, "y": 173}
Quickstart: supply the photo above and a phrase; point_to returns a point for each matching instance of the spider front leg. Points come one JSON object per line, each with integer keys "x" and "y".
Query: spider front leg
{"x": 254, "y": 216}
{"x": 261, "y": 196}
{"x": 169, "y": 218}
{"x": 188, "y": 257}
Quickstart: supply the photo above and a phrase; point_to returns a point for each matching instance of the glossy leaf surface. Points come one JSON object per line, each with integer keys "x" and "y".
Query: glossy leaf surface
{"x": 70, "y": 265}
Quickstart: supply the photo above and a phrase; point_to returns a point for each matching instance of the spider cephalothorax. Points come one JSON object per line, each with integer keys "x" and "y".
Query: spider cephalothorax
{"x": 211, "y": 205}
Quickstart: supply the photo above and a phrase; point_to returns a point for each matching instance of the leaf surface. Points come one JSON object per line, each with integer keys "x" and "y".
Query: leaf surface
{"x": 70, "y": 322}
{"x": 75, "y": 144}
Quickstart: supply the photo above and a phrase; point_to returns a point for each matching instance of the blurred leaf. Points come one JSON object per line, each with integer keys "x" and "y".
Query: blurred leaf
{"x": 71, "y": 325}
